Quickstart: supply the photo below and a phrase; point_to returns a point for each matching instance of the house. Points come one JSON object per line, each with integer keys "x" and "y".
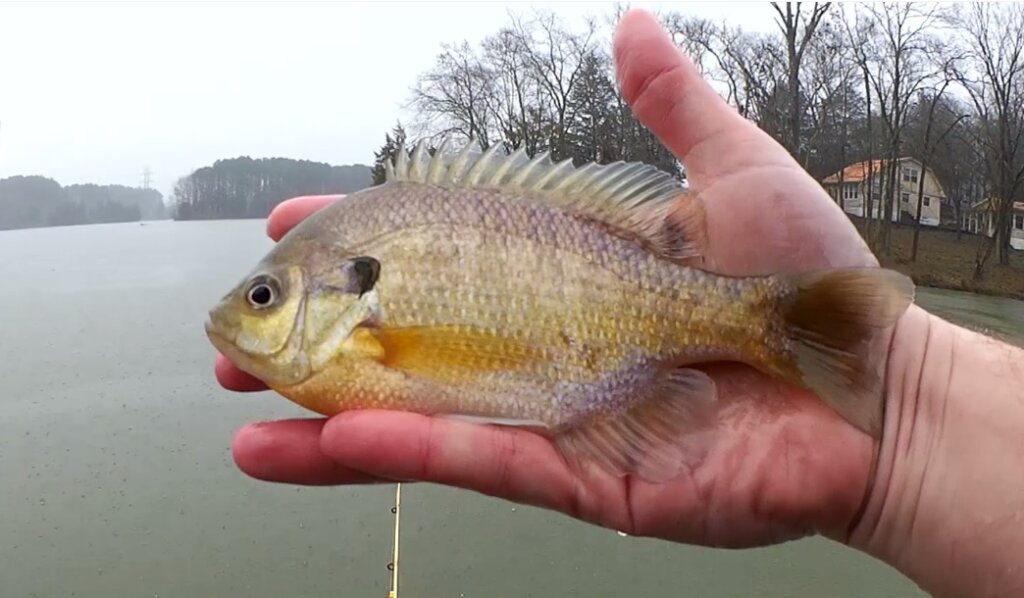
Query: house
{"x": 980, "y": 219}
{"x": 853, "y": 190}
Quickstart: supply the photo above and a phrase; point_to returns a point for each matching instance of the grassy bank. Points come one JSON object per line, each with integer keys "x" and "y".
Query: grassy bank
{"x": 946, "y": 263}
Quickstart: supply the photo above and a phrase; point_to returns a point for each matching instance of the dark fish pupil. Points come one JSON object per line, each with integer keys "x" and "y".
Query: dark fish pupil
{"x": 261, "y": 295}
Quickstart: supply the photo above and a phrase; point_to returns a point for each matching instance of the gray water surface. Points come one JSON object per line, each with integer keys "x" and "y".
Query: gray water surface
{"x": 117, "y": 478}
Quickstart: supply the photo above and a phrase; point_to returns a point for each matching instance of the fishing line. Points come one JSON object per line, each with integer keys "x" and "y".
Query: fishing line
{"x": 393, "y": 565}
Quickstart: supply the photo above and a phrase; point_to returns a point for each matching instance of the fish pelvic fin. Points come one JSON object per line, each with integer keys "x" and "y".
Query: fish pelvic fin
{"x": 650, "y": 438}
{"x": 633, "y": 199}
{"x": 832, "y": 319}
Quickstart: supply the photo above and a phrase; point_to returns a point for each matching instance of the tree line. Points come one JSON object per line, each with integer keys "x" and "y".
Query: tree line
{"x": 234, "y": 188}
{"x": 37, "y": 201}
{"x": 250, "y": 188}
{"x": 834, "y": 84}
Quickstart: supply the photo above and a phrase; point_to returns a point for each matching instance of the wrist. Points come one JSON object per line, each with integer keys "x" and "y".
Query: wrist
{"x": 946, "y": 503}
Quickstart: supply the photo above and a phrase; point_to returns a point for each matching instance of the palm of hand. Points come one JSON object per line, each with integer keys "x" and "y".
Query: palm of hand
{"x": 780, "y": 464}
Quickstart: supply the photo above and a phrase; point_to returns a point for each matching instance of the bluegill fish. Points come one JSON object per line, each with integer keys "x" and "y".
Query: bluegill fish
{"x": 516, "y": 291}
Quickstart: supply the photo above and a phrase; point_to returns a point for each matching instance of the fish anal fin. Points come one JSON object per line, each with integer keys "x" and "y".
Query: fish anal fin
{"x": 649, "y": 439}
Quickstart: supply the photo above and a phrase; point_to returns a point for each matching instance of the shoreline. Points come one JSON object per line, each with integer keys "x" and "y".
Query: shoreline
{"x": 1015, "y": 296}
{"x": 946, "y": 263}
{"x": 943, "y": 263}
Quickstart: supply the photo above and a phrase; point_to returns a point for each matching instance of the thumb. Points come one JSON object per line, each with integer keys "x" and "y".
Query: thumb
{"x": 671, "y": 98}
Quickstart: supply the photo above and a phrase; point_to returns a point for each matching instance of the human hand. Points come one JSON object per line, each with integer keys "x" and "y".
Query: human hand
{"x": 781, "y": 465}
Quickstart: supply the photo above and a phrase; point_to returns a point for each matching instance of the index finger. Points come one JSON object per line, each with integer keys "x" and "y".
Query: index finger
{"x": 516, "y": 465}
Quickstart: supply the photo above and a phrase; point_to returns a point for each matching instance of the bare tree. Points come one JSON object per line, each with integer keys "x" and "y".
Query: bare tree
{"x": 994, "y": 80}
{"x": 959, "y": 161}
{"x": 456, "y": 96}
{"x": 834, "y": 103}
{"x": 798, "y": 32}
{"x": 857, "y": 30}
{"x": 555, "y": 57}
{"x": 517, "y": 105}
{"x": 927, "y": 108}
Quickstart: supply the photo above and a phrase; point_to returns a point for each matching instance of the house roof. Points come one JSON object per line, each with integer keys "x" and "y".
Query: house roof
{"x": 1018, "y": 206}
{"x": 858, "y": 171}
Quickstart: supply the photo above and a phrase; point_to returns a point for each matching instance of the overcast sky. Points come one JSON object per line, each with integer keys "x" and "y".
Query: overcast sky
{"x": 95, "y": 92}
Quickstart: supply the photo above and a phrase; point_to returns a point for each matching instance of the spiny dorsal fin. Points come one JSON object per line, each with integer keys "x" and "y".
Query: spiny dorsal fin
{"x": 631, "y": 197}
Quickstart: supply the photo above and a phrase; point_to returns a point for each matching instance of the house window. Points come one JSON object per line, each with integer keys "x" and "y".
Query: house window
{"x": 1018, "y": 221}
{"x": 927, "y": 201}
{"x": 910, "y": 175}
{"x": 905, "y": 197}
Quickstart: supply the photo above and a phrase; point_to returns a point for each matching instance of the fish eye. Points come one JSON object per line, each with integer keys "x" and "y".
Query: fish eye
{"x": 262, "y": 293}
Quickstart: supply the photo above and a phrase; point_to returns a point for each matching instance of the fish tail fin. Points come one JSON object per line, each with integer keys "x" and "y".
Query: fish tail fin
{"x": 832, "y": 318}
{"x": 654, "y": 437}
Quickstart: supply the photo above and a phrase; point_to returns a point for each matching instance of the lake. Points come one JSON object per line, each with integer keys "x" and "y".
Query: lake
{"x": 118, "y": 478}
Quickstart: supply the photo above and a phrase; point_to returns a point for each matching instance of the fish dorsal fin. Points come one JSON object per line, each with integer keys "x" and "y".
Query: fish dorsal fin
{"x": 632, "y": 198}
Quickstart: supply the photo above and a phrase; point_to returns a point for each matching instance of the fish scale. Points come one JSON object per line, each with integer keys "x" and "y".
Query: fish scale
{"x": 560, "y": 299}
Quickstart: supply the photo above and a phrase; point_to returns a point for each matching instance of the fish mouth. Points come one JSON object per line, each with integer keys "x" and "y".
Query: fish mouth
{"x": 220, "y": 341}
{"x": 223, "y": 342}
{"x": 266, "y": 368}
{"x": 214, "y": 335}
{"x": 215, "y": 332}
{"x": 238, "y": 357}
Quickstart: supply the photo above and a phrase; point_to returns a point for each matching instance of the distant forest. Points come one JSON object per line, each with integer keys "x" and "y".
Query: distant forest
{"x": 236, "y": 188}
{"x": 37, "y": 201}
{"x": 250, "y": 188}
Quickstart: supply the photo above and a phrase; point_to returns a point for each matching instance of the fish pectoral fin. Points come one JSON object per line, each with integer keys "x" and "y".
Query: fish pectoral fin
{"x": 650, "y": 438}
{"x": 452, "y": 353}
